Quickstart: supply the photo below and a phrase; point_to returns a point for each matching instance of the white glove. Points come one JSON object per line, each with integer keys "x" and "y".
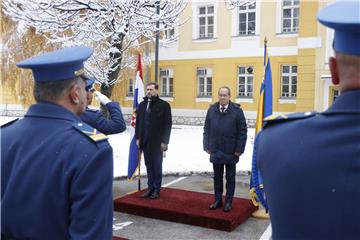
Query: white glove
{"x": 102, "y": 98}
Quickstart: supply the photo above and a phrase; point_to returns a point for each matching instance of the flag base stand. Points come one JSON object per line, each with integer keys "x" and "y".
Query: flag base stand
{"x": 261, "y": 214}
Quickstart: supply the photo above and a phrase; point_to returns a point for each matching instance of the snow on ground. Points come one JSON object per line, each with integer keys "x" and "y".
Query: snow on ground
{"x": 185, "y": 152}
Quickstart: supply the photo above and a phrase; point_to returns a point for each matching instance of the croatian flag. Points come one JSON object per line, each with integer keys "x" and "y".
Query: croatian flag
{"x": 134, "y": 160}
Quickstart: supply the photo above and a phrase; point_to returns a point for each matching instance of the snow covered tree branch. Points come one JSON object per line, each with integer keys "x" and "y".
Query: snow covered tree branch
{"x": 231, "y": 4}
{"x": 110, "y": 27}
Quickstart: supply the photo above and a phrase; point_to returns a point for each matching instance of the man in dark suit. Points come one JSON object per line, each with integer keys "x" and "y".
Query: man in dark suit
{"x": 225, "y": 134}
{"x": 310, "y": 162}
{"x": 115, "y": 123}
{"x": 56, "y": 171}
{"x": 152, "y": 132}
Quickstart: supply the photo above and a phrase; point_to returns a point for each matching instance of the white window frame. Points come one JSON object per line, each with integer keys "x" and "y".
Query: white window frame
{"x": 130, "y": 84}
{"x": 205, "y": 73}
{"x": 292, "y": 7}
{"x": 166, "y": 74}
{"x": 247, "y": 76}
{"x": 289, "y": 75}
{"x": 206, "y": 15}
{"x": 196, "y": 22}
{"x": 246, "y": 11}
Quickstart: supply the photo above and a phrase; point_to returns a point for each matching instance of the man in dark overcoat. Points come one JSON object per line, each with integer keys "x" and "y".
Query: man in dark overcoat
{"x": 152, "y": 132}
{"x": 225, "y": 134}
{"x": 56, "y": 171}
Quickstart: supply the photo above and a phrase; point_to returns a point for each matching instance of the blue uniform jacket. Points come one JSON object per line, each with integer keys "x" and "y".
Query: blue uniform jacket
{"x": 224, "y": 133}
{"x": 56, "y": 182}
{"x": 115, "y": 124}
{"x": 311, "y": 172}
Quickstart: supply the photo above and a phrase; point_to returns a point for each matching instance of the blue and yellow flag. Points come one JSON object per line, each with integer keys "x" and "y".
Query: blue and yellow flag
{"x": 264, "y": 110}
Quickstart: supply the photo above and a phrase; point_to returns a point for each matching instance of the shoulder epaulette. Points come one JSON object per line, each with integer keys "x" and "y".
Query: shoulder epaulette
{"x": 91, "y": 132}
{"x": 285, "y": 117}
{"x": 9, "y": 123}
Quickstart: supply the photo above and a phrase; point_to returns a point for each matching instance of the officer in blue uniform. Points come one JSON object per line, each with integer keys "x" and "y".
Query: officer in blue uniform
{"x": 115, "y": 124}
{"x": 310, "y": 162}
{"x": 56, "y": 172}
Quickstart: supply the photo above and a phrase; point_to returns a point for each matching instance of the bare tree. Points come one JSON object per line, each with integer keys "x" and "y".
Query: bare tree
{"x": 231, "y": 4}
{"x": 110, "y": 27}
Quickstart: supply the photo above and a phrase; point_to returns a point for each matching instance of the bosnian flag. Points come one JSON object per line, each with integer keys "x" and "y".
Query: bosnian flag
{"x": 134, "y": 160}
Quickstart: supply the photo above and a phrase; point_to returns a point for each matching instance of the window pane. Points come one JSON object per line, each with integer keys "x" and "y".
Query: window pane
{"x": 249, "y": 88}
{"x": 293, "y": 80}
{"x": 252, "y": 6}
{"x": 211, "y": 20}
{"x": 202, "y": 21}
{"x": 201, "y": 80}
{"x": 294, "y": 69}
{"x": 285, "y": 89}
{"x": 209, "y": 80}
{"x": 241, "y": 80}
{"x": 285, "y": 80}
{"x": 293, "y": 90}
{"x": 210, "y": 31}
{"x": 295, "y": 24}
{"x": 296, "y": 2}
{"x": 242, "y": 28}
{"x": 251, "y": 16}
{"x": 242, "y": 7}
{"x": 242, "y": 17}
{"x": 286, "y": 24}
{"x": 286, "y": 2}
{"x": 286, "y": 69}
{"x": 202, "y": 31}
{"x": 241, "y": 70}
{"x": 250, "y": 80}
{"x": 210, "y": 9}
{"x": 286, "y": 13}
{"x": 296, "y": 12}
{"x": 202, "y": 10}
{"x": 241, "y": 88}
{"x": 251, "y": 27}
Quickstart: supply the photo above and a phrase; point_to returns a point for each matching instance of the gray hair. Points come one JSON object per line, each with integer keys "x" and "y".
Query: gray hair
{"x": 52, "y": 91}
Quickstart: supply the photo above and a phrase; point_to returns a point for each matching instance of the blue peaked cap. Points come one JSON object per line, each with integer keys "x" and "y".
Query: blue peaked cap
{"x": 344, "y": 18}
{"x": 60, "y": 64}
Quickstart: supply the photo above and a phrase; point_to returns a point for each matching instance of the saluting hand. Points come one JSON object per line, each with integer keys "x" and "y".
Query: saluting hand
{"x": 102, "y": 98}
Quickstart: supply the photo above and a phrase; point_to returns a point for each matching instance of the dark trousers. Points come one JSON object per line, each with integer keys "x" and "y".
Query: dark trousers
{"x": 153, "y": 162}
{"x": 230, "y": 181}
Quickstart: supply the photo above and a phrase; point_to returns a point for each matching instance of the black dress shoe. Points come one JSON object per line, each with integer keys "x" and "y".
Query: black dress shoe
{"x": 216, "y": 205}
{"x": 146, "y": 194}
{"x": 155, "y": 195}
{"x": 227, "y": 207}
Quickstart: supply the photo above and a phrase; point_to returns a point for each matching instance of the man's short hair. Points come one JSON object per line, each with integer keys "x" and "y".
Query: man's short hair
{"x": 226, "y": 87}
{"x": 153, "y": 83}
{"x": 52, "y": 91}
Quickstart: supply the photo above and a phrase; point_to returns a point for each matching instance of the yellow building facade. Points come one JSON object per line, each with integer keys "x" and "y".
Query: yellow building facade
{"x": 220, "y": 46}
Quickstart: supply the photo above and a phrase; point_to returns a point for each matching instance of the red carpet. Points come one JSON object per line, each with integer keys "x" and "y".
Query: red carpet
{"x": 186, "y": 207}
{"x": 118, "y": 238}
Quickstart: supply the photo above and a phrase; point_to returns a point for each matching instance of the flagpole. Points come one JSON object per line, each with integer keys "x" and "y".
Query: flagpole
{"x": 139, "y": 176}
{"x": 260, "y": 212}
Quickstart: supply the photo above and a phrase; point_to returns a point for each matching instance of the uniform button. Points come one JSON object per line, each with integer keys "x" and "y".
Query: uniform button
{"x": 80, "y": 124}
